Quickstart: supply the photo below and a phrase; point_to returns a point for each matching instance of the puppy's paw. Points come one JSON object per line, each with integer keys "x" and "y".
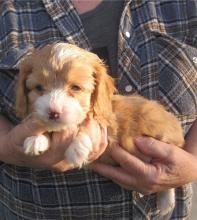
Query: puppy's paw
{"x": 36, "y": 145}
{"x": 78, "y": 151}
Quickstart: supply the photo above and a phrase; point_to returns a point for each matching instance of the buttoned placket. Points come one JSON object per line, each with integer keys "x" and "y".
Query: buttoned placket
{"x": 128, "y": 81}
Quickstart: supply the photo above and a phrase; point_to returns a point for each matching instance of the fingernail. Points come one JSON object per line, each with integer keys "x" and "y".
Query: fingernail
{"x": 148, "y": 141}
{"x": 143, "y": 140}
{"x": 140, "y": 139}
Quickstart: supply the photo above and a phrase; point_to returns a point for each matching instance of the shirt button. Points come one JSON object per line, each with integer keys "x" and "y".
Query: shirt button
{"x": 195, "y": 59}
{"x": 127, "y": 34}
{"x": 128, "y": 88}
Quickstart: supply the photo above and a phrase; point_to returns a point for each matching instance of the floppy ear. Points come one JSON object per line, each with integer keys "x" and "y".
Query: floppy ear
{"x": 25, "y": 68}
{"x": 102, "y": 96}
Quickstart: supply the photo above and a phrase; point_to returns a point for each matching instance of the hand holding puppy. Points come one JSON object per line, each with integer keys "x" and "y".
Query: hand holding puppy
{"x": 12, "y": 147}
{"x": 169, "y": 167}
{"x": 65, "y": 85}
{"x": 12, "y": 151}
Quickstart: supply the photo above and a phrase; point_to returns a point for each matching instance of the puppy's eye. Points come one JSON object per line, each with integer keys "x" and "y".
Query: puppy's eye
{"x": 39, "y": 88}
{"x": 75, "y": 88}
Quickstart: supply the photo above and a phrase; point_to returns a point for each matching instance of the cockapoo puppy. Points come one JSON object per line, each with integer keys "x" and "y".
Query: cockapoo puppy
{"x": 62, "y": 84}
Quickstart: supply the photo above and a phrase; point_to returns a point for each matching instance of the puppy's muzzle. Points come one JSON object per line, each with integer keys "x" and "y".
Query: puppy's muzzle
{"x": 59, "y": 109}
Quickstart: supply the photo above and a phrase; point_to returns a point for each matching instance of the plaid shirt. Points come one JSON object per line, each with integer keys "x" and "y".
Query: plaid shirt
{"x": 157, "y": 58}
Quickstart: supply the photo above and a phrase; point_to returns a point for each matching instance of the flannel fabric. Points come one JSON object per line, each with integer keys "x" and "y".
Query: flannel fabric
{"x": 157, "y": 58}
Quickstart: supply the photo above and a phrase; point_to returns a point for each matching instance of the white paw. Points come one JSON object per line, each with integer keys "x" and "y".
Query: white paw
{"x": 78, "y": 151}
{"x": 166, "y": 202}
{"x": 36, "y": 145}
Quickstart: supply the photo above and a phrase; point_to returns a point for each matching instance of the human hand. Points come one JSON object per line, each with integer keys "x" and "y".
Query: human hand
{"x": 169, "y": 167}
{"x": 11, "y": 150}
{"x": 98, "y": 137}
{"x": 89, "y": 143}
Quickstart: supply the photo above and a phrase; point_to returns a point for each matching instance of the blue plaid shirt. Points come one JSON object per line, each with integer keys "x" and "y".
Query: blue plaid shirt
{"x": 157, "y": 58}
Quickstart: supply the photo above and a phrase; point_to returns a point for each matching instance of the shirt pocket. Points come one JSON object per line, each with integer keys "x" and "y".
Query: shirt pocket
{"x": 24, "y": 25}
{"x": 177, "y": 74}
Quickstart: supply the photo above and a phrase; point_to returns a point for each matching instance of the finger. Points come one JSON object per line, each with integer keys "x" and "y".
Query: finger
{"x": 104, "y": 141}
{"x": 52, "y": 159}
{"x": 128, "y": 161}
{"x": 55, "y": 154}
{"x": 94, "y": 132}
{"x": 102, "y": 146}
{"x": 58, "y": 144}
{"x": 91, "y": 123}
{"x": 153, "y": 148}
{"x": 116, "y": 174}
{"x": 62, "y": 140}
{"x": 27, "y": 129}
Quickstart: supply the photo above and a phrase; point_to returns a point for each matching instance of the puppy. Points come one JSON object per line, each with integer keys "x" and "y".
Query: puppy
{"x": 62, "y": 85}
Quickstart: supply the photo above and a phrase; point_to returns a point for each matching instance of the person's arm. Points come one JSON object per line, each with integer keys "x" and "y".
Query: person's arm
{"x": 12, "y": 138}
{"x": 170, "y": 166}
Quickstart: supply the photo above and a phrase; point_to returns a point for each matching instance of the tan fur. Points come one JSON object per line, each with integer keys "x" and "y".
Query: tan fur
{"x": 126, "y": 117}
{"x": 137, "y": 116}
{"x": 21, "y": 98}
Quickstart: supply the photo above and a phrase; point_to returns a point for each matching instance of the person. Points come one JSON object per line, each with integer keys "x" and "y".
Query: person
{"x": 150, "y": 47}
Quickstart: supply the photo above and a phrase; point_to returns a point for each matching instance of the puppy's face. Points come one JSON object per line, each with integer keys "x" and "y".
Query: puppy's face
{"x": 62, "y": 83}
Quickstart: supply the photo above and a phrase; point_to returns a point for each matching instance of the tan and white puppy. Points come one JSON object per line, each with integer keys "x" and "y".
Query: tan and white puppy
{"x": 62, "y": 84}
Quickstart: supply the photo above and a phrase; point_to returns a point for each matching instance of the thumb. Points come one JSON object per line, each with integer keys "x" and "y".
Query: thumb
{"x": 153, "y": 148}
{"x": 26, "y": 129}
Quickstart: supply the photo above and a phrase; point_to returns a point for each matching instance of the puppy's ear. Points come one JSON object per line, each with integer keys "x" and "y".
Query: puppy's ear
{"x": 25, "y": 68}
{"x": 102, "y": 96}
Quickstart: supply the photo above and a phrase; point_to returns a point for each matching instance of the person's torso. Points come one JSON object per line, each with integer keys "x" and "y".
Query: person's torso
{"x": 156, "y": 57}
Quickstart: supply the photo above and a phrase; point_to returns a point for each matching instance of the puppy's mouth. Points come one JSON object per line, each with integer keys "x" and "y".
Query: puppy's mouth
{"x": 59, "y": 110}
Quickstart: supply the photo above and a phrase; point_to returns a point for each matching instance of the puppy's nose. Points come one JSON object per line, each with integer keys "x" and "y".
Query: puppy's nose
{"x": 54, "y": 115}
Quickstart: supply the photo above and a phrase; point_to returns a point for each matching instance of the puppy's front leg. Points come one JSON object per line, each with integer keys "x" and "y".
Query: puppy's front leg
{"x": 36, "y": 145}
{"x": 78, "y": 151}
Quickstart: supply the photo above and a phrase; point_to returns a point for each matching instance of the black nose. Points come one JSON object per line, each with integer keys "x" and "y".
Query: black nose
{"x": 54, "y": 115}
